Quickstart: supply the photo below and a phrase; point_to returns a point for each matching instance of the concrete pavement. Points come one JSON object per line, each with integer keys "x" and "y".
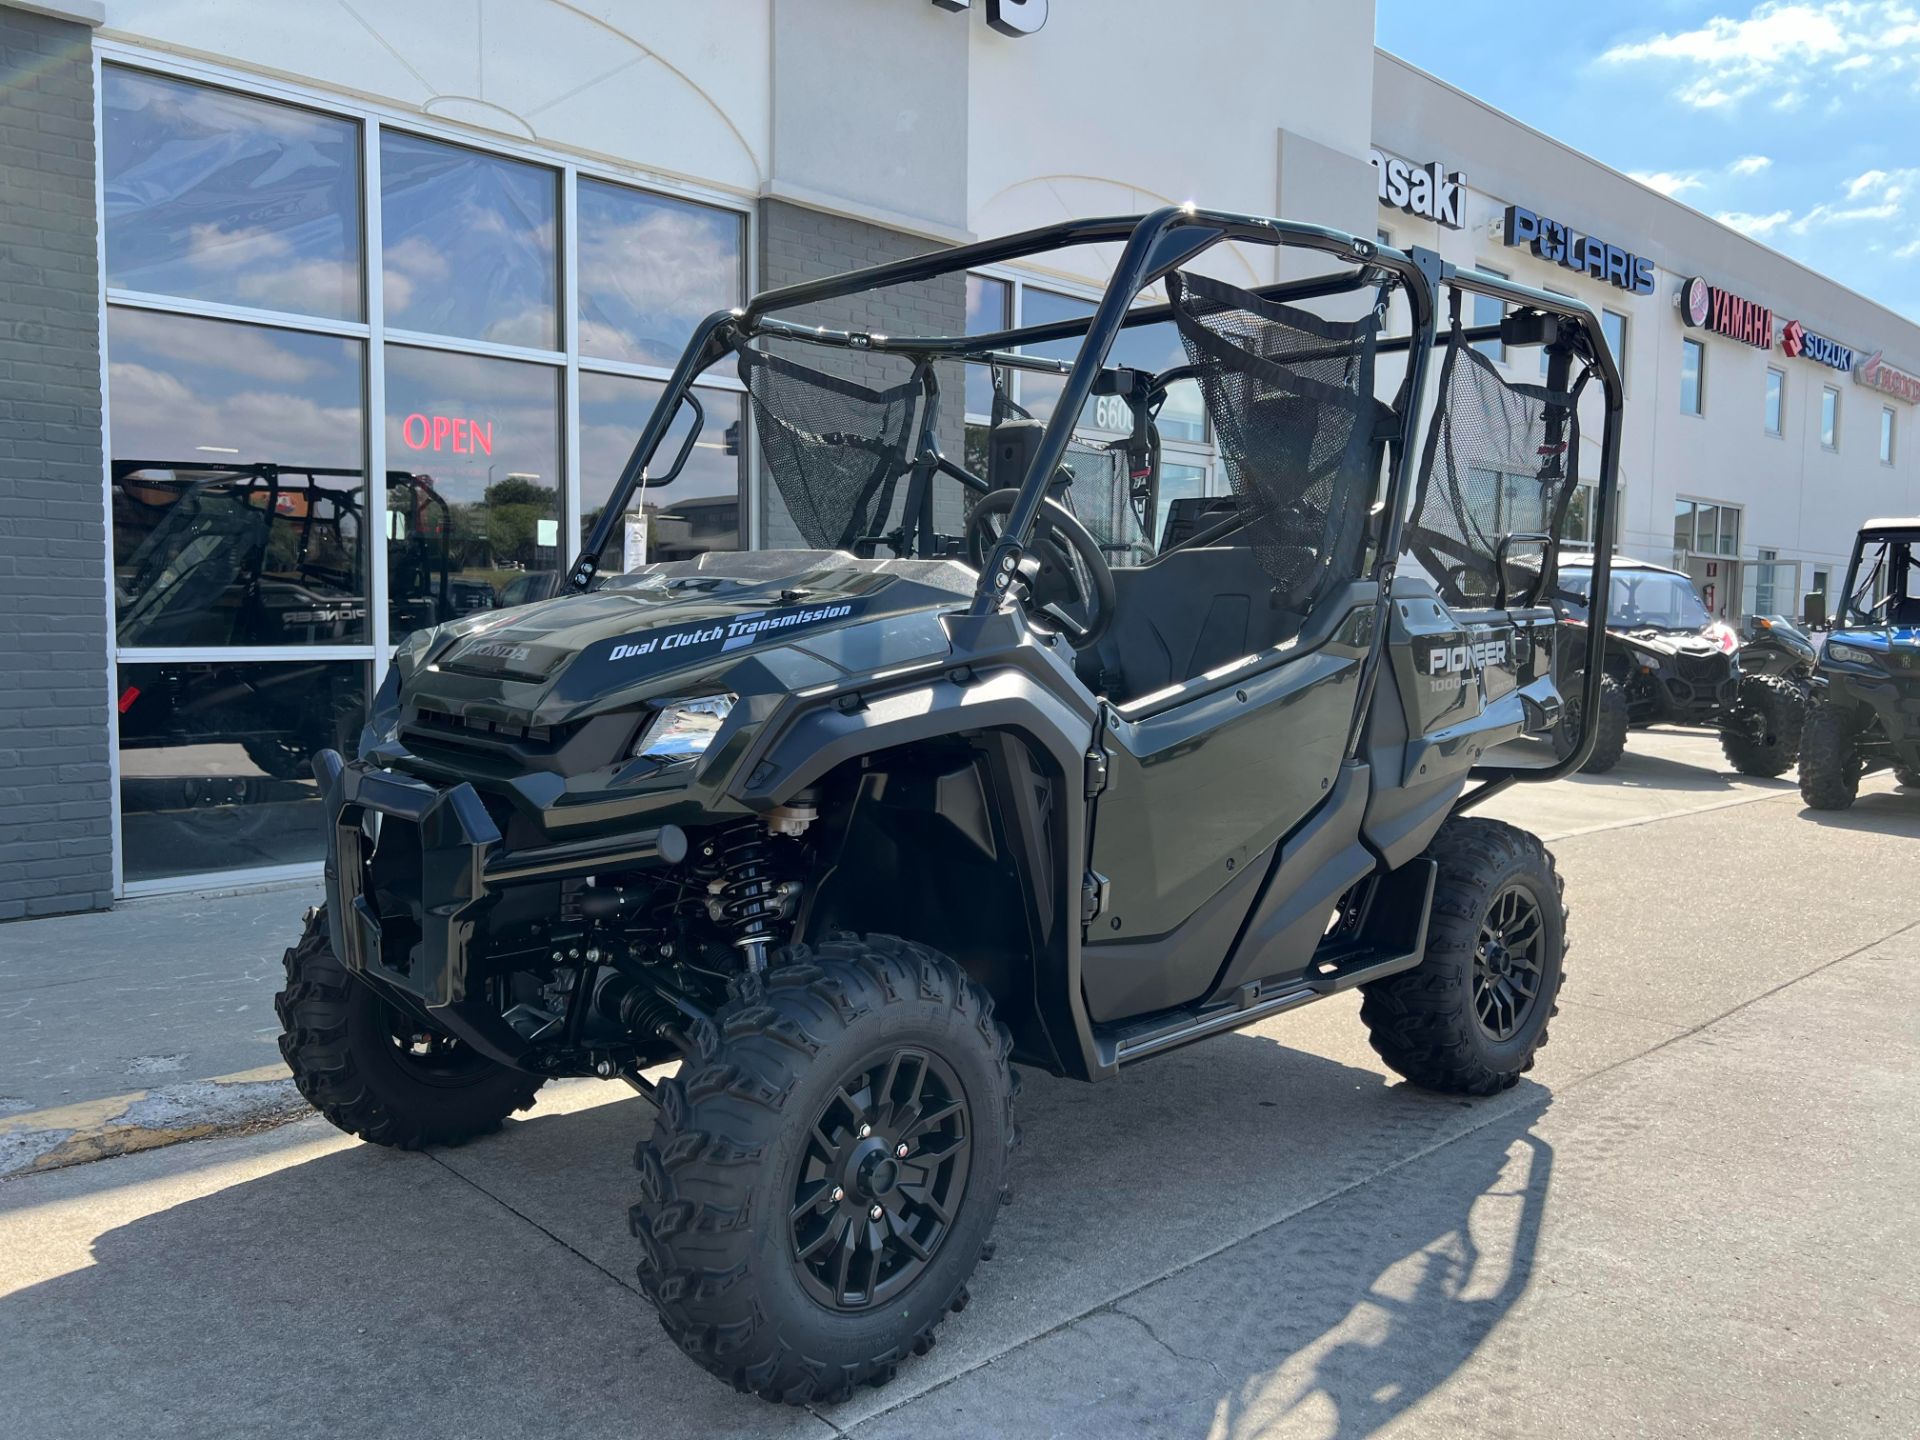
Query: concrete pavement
{"x": 1696, "y": 1217}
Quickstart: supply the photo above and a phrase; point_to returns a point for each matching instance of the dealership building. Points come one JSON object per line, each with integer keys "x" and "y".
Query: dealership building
{"x": 255, "y": 255}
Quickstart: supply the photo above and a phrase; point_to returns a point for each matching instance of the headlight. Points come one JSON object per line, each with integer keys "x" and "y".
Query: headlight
{"x": 1848, "y": 654}
{"x": 683, "y": 728}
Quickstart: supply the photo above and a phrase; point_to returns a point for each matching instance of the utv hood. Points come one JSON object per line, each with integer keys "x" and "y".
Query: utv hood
{"x": 1672, "y": 642}
{"x": 647, "y": 627}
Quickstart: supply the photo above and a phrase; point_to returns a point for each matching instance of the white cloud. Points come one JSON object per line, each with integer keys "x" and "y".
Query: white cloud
{"x": 1666, "y": 182}
{"x": 1781, "y": 49}
{"x": 1755, "y": 225}
{"x": 1750, "y": 164}
{"x": 1875, "y": 195}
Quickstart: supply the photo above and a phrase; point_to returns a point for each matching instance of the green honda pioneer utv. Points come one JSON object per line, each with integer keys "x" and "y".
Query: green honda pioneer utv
{"x": 1010, "y": 763}
{"x": 1866, "y": 713}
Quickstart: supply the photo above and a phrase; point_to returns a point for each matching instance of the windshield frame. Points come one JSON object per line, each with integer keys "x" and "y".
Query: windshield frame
{"x": 1885, "y": 560}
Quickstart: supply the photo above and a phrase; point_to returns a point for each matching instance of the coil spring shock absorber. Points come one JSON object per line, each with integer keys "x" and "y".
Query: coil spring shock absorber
{"x": 749, "y": 896}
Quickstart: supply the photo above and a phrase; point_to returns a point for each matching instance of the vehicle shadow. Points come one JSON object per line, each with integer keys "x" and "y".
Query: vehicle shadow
{"x": 1895, "y": 813}
{"x": 490, "y": 1290}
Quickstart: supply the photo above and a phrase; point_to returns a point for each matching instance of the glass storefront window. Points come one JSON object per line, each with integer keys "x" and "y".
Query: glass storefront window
{"x": 214, "y": 758}
{"x": 650, "y": 270}
{"x": 214, "y": 196}
{"x": 473, "y": 483}
{"x": 1153, "y": 348}
{"x": 989, "y": 309}
{"x": 1614, "y": 324}
{"x": 468, "y": 243}
{"x": 1177, "y": 482}
{"x": 1682, "y": 526}
{"x": 238, "y": 490}
{"x": 700, "y": 510}
{"x": 1693, "y": 377}
{"x": 1489, "y": 311}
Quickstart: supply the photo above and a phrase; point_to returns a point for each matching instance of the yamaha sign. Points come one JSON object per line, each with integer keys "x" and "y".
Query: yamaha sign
{"x": 1431, "y": 191}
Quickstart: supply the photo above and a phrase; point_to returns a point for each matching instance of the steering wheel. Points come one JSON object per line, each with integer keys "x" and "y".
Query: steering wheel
{"x": 1059, "y": 539}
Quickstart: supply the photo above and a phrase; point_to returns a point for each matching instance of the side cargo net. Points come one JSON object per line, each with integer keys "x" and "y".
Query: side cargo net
{"x": 1502, "y": 463}
{"x": 1292, "y": 404}
{"x": 1106, "y": 500}
{"x": 836, "y": 449}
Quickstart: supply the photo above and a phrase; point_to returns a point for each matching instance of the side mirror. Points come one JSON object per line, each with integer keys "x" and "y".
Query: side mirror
{"x": 1815, "y": 614}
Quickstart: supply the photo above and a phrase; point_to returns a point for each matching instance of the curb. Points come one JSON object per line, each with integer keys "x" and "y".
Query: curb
{"x": 52, "y": 1139}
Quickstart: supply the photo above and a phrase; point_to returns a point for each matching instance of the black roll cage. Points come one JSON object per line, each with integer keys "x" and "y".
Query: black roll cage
{"x": 1154, "y": 245}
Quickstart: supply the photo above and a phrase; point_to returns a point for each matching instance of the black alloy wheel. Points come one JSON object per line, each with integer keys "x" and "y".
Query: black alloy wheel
{"x": 883, "y": 1174}
{"x": 1506, "y": 963}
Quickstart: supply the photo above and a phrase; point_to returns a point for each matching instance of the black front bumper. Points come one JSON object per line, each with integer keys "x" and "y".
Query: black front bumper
{"x": 405, "y": 913}
{"x": 413, "y": 942}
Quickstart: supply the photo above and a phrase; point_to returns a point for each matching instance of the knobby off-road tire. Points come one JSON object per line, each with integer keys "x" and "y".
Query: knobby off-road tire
{"x": 1443, "y": 1024}
{"x": 764, "y": 1122}
{"x": 1611, "y": 741}
{"x": 1762, "y": 734}
{"x": 376, "y": 1072}
{"x": 1830, "y": 767}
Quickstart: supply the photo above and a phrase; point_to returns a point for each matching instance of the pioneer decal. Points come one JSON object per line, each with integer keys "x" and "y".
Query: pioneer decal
{"x": 722, "y": 636}
{"x": 1449, "y": 659}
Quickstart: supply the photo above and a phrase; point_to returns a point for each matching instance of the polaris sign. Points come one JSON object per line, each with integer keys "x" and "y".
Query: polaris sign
{"x": 1567, "y": 247}
{"x": 1432, "y": 193}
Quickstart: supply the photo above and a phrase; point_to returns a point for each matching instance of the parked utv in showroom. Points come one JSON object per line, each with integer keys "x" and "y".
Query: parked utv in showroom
{"x": 1866, "y": 711}
{"x": 1669, "y": 662}
{"x": 845, "y": 830}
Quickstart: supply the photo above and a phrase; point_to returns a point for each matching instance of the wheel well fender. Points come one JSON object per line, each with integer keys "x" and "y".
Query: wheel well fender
{"x": 953, "y": 813}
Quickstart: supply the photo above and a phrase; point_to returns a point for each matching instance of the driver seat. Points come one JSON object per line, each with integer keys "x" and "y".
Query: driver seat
{"x": 1185, "y": 613}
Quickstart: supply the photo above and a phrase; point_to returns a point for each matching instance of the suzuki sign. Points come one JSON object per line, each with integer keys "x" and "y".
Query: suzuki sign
{"x": 1797, "y": 341}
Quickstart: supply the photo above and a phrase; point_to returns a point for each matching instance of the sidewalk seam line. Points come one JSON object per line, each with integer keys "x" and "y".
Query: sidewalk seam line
{"x": 1114, "y": 1303}
{"x": 521, "y": 1215}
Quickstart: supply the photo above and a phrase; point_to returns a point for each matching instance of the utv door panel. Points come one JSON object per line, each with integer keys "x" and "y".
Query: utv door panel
{"x": 1195, "y": 793}
{"x": 1126, "y": 978}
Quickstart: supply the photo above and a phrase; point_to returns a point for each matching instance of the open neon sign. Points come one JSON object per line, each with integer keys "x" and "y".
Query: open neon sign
{"x": 447, "y": 432}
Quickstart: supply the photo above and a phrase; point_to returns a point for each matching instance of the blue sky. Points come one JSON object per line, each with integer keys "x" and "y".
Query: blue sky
{"x": 1794, "y": 122}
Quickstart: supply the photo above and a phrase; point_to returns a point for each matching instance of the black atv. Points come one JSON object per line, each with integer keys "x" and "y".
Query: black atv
{"x": 845, "y": 830}
{"x": 1668, "y": 661}
{"x": 1866, "y": 712}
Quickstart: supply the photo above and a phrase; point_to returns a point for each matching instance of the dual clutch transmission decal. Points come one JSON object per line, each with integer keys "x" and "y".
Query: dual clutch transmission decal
{"x": 689, "y": 642}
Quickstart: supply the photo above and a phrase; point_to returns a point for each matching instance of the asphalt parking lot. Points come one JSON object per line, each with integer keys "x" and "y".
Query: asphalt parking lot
{"x": 1697, "y": 1217}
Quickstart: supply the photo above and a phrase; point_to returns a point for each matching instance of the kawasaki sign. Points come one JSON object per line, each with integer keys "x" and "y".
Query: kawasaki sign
{"x": 1430, "y": 192}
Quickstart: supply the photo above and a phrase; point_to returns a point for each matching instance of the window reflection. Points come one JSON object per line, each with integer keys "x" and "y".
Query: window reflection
{"x": 1152, "y": 348}
{"x": 238, "y": 497}
{"x": 473, "y": 475}
{"x": 215, "y": 196}
{"x": 214, "y": 761}
{"x": 700, "y": 510}
{"x": 989, "y": 307}
{"x": 468, "y": 242}
{"x": 650, "y": 270}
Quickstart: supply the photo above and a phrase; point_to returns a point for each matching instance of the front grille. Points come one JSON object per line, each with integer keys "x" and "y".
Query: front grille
{"x": 466, "y": 732}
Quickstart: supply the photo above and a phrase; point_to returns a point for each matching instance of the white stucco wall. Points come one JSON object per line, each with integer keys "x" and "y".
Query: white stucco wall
{"x": 1127, "y": 105}
{"x": 680, "y": 90}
